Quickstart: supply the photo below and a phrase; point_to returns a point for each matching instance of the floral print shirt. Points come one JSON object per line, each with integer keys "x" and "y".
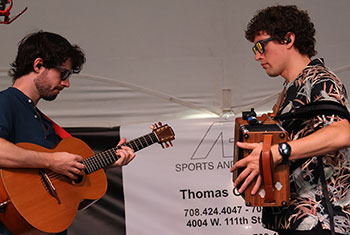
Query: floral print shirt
{"x": 308, "y": 207}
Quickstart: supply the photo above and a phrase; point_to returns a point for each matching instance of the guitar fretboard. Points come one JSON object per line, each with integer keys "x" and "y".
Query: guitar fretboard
{"x": 108, "y": 157}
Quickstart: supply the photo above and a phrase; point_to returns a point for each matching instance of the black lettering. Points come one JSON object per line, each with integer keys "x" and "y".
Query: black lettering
{"x": 211, "y": 165}
{"x": 215, "y": 221}
{"x": 199, "y": 194}
{"x": 256, "y": 219}
{"x": 191, "y": 167}
{"x": 190, "y": 194}
{"x": 225, "y": 193}
{"x": 183, "y": 193}
{"x": 197, "y": 166}
{"x": 178, "y": 167}
{"x": 224, "y": 165}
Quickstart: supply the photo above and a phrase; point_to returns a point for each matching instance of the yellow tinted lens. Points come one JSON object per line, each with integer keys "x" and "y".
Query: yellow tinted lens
{"x": 254, "y": 49}
{"x": 259, "y": 47}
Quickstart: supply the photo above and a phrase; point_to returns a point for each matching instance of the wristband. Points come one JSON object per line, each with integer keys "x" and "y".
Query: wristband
{"x": 285, "y": 150}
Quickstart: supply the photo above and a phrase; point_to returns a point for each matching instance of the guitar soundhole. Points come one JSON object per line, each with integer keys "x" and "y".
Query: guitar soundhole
{"x": 79, "y": 180}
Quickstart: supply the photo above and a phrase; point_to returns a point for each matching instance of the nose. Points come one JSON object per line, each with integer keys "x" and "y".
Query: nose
{"x": 258, "y": 56}
{"x": 65, "y": 83}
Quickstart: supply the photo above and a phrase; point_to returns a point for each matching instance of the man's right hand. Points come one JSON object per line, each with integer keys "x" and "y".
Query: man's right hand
{"x": 66, "y": 164}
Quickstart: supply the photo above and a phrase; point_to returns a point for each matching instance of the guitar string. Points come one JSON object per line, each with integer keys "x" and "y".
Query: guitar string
{"x": 107, "y": 157}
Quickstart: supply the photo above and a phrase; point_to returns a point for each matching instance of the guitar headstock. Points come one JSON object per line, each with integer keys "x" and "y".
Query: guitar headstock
{"x": 164, "y": 133}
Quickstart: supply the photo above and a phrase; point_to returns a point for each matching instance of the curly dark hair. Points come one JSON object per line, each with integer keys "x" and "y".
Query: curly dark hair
{"x": 52, "y": 48}
{"x": 278, "y": 20}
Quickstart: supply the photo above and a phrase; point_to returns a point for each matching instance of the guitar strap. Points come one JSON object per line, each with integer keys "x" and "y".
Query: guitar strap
{"x": 316, "y": 108}
{"x": 326, "y": 195}
{"x": 59, "y": 130}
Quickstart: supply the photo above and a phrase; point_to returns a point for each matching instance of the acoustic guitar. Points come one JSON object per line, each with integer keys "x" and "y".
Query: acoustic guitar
{"x": 40, "y": 199}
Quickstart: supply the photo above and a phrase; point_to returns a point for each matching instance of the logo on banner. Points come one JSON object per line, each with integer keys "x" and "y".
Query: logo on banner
{"x": 214, "y": 150}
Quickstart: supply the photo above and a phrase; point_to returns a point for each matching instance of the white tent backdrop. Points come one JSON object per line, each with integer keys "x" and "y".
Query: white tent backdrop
{"x": 165, "y": 59}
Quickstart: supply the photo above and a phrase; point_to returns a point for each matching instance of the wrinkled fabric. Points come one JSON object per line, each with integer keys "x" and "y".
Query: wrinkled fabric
{"x": 308, "y": 206}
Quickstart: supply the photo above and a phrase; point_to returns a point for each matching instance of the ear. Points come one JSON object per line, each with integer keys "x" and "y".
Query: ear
{"x": 38, "y": 64}
{"x": 289, "y": 39}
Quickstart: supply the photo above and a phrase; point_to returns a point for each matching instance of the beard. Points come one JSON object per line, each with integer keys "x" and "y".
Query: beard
{"x": 44, "y": 88}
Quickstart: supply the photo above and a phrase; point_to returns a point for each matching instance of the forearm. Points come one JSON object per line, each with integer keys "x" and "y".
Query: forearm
{"x": 13, "y": 156}
{"x": 328, "y": 139}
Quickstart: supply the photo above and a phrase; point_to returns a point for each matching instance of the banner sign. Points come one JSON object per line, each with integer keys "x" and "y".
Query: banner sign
{"x": 187, "y": 188}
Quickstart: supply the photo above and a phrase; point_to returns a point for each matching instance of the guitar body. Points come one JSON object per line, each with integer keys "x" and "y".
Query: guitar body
{"x": 39, "y": 199}
{"x": 32, "y": 206}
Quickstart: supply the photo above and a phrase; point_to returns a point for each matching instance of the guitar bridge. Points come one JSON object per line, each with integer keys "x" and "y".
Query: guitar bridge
{"x": 49, "y": 185}
{"x": 3, "y": 205}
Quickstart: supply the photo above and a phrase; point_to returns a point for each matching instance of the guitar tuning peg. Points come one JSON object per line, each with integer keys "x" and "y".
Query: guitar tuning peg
{"x": 162, "y": 145}
{"x": 155, "y": 124}
{"x": 159, "y": 123}
{"x": 171, "y": 143}
{"x": 166, "y": 145}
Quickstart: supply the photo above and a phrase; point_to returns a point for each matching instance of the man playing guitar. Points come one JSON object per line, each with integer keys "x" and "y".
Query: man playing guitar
{"x": 41, "y": 70}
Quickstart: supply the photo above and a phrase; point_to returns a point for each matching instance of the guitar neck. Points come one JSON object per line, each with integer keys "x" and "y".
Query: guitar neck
{"x": 108, "y": 157}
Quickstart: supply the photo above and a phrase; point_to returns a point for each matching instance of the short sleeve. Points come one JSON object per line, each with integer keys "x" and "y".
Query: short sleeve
{"x": 5, "y": 117}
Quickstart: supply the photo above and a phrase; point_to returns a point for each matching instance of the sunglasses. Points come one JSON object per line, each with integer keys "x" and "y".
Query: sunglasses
{"x": 259, "y": 45}
{"x": 64, "y": 73}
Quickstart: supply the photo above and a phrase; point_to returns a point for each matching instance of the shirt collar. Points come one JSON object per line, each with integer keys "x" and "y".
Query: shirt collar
{"x": 23, "y": 97}
{"x": 317, "y": 61}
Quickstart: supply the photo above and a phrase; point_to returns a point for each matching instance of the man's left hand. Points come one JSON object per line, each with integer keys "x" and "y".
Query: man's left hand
{"x": 252, "y": 169}
{"x": 125, "y": 154}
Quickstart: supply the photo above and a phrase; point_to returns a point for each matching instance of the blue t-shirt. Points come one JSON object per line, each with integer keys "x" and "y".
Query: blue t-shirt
{"x": 21, "y": 121}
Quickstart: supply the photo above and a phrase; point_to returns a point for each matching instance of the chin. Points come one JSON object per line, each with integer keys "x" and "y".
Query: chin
{"x": 50, "y": 98}
{"x": 271, "y": 74}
